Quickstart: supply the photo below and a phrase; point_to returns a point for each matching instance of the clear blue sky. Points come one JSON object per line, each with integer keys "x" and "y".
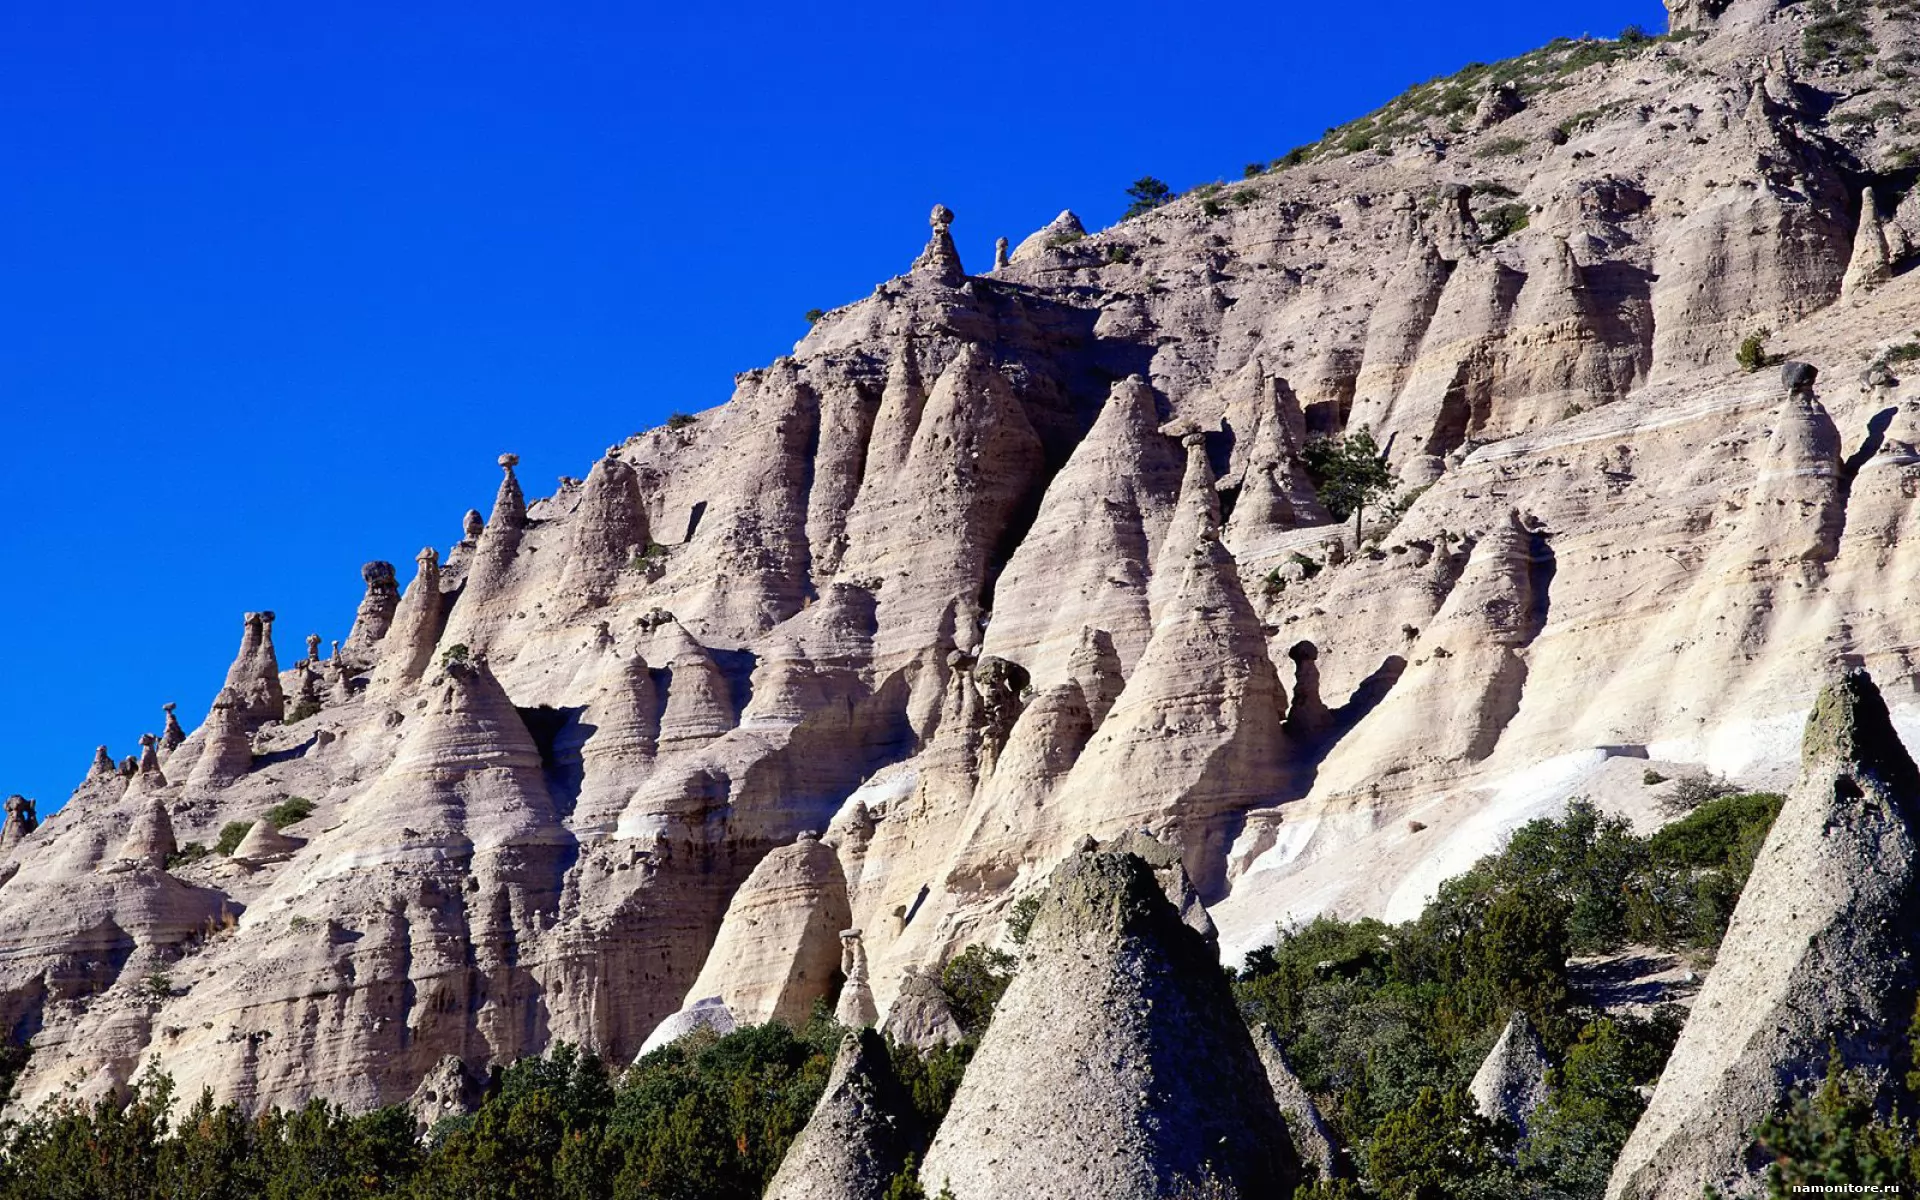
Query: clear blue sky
{"x": 278, "y": 282}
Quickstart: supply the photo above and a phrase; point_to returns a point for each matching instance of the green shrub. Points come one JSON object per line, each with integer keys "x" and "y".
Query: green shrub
{"x": 192, "y": 852}
{"x": 1119, "y": 253}
{"x": 1502, "y": 147}
{"x": 289, "y": 811}
{"x": 158, "y": 985}
{"x": 1651, "y": 777}
{"x": 455, "y": 654}
{"x": 1253, "y": 170}
{"x": 1838, "y": 1135}
{"x": 814, "y": 314}
{"x": 1020, "y": 917}
{"x": 1212, "y": 207}
{"x": 1593, "y": 1101}
{"x": 680, "y": 420}
{"x": 1505, "y": 221}
{"x": 1905, "y": 352}
{"x": 974, "y": 980}
{"x": 301, "y": 711}
{"x": 230, "y": 836}
{"x": 1752, "y": 354}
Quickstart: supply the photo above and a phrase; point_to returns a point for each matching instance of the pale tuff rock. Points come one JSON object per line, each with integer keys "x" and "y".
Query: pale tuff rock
{"x": 847, "y": 411}
{"x": 1871, "y": 263}
{"x": 22, "y": 820}
{"x": 1512, "y": 1080}
{"x": 1196, "y": 732}
{"x": 1116, "y": 1059}
{"x": 920, "y": 1015}
{"x": 1308, "y": 717}
{"x": 930, "y": 529}
{"x": 610, "y": 527}
{"x": 1820, "y": 952}
{"x": 1798, "y": 507}
{"x": 1000, "y": 258}
{"x": 1395, "y": 329}
{"x": 855, "y": 1008}
{"x": 254, "y": 677}
{"x": 1064, "y": 228}
{"x": 377, "y": 608}
{"x": 1172, "y": 874}
{"x": 226, "y": 746}
{"x": 494, "y": 556}
{"x": 1468, "y": 666}
{"x": 1499, "y": 102}
{"x": 940, "y": 260}
{"x": 313, "y": 650}
{"x": 624, "y": 716}
{"x": 1275, "y": 494}
{"x": 1095, "y": 667}
{"x": 1313, "y": 1142}
{"x": 779, "y": 946}
{"x": 150, "y": 774}
{"x": 699, "y": 703}
{"x": 860, "y": 1135}
{"x": 264, "y": 844}
{"x": 1196, "y": 520}
{"x": 149, "y": 841}
{"x": 448, "y": 1090}
{"x": 407, "y": 650}
{"x": 1694, "y": 14}
{"x": 1090, "y": 553}
{"x": 708, "y": 1013}
{"x": 472, "y": 526}
{"x": 171, "y": 735}
{"x": 102, "y": 763}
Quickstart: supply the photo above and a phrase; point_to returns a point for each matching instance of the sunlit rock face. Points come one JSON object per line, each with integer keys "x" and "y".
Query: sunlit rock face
{"x": 995, "y": 561}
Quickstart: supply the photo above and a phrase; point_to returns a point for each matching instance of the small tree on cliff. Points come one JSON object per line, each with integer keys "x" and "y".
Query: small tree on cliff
{"x": 1350, "y": 472}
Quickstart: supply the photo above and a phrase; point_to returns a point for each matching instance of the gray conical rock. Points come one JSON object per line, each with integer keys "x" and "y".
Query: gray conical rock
{"x": 1312, "y": 1141}
{"x": 407, "y": 650}
{"x": 1064, "y": 227}
{"x": 709, "y": 1013}
{"x": 149, "y": 839}
{"x": 1871, "y": 263}
{"x": 779, "y": 945}
{"x": 1115, "y": 1060}
{"x": 920, "y": 1015}
{"x": 1821, "y": 952}
{"x": 226, "y": 748}
{"x": 1512, "y": 1079}
{"x": 855, "y": 1008}
{"x": 609, "y": 528}
{"x": 171, "y": 735}
{"x": 940, "y": 260}
{"x": 860, "y": 1134}
{"x": 377, "y": 607}
{"x": 264, "y": 844}
{"x": 254, "y": 677}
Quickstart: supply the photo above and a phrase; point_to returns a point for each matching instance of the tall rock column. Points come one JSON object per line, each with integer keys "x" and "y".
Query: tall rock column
{"x": 375, "y": 616}
{"x": 254, "y": 677}
{"x": 1823, "y": 951}
{"x": 1116, "y": 1061}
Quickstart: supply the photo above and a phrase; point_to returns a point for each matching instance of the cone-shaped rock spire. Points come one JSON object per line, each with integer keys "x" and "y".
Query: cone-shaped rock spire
{"x": 1090, "y": 554}
{"x": 149, "y": 838}
{"x": 609, "y": 527}
{"x": 855, "y": 1009}
{"x": 375, "y": 615}
{"x": 1871, "y": 264}
{"x": 1312, "y": 1141}
{"x": 1512, "y": 1079}
{"x": 408, "y": 648}
{"x": 226, "y": 748}
{"x": 254, "y": 677}
{"x": 779, "y": 945}
{"x": 1116, "y": 1060}
{"x": 920, "y": 1015}
{"x": 861, "y": 1132}
{"x": 1821, "y": 952}
{"x": 940, "y": 260}
{"x": 171, "y": 735}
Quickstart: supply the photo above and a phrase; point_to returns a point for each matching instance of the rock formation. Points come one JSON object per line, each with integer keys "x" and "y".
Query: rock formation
{"x": 1312, "y": 1141}
{"x": 1512, "y": 1079}
{"x": 171, "y": 735}
{"x": 920, "y": 1015}
{"x": 254, "y": 677}
{"x": 989, "y": 563}
{"x": 1821, "y": 953}
{"x": 780, "y": 944}
{"x": 855, "y": 1009}
{"x": 1115, "y": 1059}
{"x": 377, "y": 608}
{"x": 860, "y": 1135}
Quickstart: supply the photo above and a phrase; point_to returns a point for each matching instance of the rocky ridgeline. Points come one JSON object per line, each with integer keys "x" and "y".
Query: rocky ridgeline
{"x": 809, "y": 689}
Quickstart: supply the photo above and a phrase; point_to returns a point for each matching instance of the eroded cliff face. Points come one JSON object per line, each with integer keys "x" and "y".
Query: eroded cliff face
{"x": 995, "y": 561}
